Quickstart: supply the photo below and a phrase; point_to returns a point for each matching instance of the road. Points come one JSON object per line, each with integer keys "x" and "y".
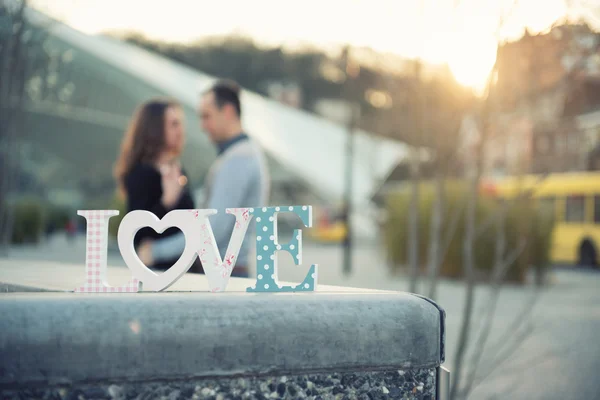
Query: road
{"x": 558, "y": 359}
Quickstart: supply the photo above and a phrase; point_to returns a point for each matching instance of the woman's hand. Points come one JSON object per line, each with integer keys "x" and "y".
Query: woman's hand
{"x": 171, "y": 184}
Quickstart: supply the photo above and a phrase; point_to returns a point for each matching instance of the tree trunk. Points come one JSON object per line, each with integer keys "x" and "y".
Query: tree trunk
{"x": 469, "y": 245}
{"x": 435, "y": 236}
{"x": 12, "y": 73}
{"x": 413, "y": 227}
{"x": 17, "y": 62}
{"x": 496, "y": 280}
{"x": 469, "y": 269}
{"x": 415, "y": 175}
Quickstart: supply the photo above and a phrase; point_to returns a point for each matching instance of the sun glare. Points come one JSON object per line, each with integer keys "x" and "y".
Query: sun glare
{"x": 464, "y": 42}
{"x": 471, "y": 61}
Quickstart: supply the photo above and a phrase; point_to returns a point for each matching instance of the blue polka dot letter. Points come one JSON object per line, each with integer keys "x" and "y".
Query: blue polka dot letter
{"x": 267, "y": 245}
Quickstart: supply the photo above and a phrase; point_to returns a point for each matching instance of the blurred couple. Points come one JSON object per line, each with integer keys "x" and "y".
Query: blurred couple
{"x": 150, "y": 175}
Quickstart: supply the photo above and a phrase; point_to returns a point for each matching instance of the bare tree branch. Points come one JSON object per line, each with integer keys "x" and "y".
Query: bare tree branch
{"x": 413, "y": 224}
{"x": 446, "y": 155}
{"x": 451, "y": 230}
{"x": 471, "y": 231}
{"x": 517, "y": 368}
{"x": 510, "y": 260}
{"x": 20, "y": 45}
{"x": 469, "y": 244}
{"x": 500, "y": 270}
{"x": 532, "y": 362}
{"x": 523, "y": 365}
{"x": 491, "y": 309}
{"x": 512, "y": 345}
{"x": 415, "y": 176}
{"x": 13, "y": 73}
{"x": 518, "y": 321}
{"x": 508, "y": 392}
{"x": 435, "y": 234}
{"x": 469, "y": 268}
{"x": 498, "y": 361}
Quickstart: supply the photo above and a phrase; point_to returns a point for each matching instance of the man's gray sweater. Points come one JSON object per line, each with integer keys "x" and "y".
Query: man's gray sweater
{"x": 237, "y": 179}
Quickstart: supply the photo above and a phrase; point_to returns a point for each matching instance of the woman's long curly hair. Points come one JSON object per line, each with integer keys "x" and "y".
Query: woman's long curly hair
{"x": 144, "y": 139}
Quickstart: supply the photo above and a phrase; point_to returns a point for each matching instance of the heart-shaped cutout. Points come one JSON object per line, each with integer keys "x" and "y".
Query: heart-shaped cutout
{"x": 147, "y": 234}
{"x": 138, "y": 219}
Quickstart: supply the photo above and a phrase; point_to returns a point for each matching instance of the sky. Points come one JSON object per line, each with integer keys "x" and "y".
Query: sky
{"x": 438, "y": 31}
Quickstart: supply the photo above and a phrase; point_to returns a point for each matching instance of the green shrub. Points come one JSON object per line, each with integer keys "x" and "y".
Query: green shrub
{"x": 522, "y": 221}
{"x": 29, "y": 220}
{"x": 57, "y": 218}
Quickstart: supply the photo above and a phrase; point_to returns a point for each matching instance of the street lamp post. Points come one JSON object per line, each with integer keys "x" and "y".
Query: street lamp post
{"x": 347, "y": 212}
{"x": 352, "y": 70}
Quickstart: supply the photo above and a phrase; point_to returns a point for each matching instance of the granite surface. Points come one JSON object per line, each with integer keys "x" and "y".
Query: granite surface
{"x": 50, "y": 338}
{"x": 409, "y": 384}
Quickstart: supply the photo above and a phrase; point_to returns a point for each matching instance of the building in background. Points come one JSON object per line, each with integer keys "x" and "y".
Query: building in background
{"x": 78, "y": 111}
{"x": 547, "y": 93}
{"x": 334, "y": 110}
{"x": 287, "y": 93}
{"x": 589, "y": 124}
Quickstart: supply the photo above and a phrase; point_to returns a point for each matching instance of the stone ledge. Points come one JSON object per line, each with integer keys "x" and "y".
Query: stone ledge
{"x": 62, "y": 338}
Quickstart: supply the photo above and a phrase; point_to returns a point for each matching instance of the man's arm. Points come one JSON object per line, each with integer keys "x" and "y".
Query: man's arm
{"x": 228, "y": 191}
{"x": 168, "y": 248}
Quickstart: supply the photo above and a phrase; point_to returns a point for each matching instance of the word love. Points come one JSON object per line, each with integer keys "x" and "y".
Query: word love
{"x": 199, "y": 242}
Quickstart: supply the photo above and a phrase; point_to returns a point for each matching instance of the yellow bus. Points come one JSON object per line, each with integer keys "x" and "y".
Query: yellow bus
{"x": 574, "y": 199}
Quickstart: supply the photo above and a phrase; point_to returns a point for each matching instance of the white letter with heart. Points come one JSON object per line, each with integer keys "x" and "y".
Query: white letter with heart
{"x": 138, "y": 219}
{"x": 200, "y": 241}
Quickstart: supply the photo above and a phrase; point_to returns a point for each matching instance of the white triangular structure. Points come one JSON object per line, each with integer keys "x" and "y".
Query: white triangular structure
{"x": 310, "y": 147}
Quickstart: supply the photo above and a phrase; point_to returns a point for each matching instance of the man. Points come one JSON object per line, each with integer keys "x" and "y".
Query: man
{"x": 238, "y": 178}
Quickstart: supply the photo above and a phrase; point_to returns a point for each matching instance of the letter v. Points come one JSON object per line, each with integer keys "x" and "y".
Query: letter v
{"x": 216, "y": 269}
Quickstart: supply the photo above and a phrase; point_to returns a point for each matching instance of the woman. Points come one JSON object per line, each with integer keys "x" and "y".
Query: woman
{"x": 148, "y": 171}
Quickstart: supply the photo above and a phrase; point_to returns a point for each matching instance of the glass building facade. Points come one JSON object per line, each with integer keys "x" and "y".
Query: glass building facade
{"x": 77, "y": 110}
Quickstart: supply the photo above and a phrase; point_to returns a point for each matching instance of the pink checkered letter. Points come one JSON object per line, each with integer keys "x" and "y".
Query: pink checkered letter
{"x": 95, "y": 259}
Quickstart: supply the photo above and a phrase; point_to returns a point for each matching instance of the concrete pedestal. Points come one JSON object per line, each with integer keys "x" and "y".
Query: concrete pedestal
{"x": 334, "y": 344}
